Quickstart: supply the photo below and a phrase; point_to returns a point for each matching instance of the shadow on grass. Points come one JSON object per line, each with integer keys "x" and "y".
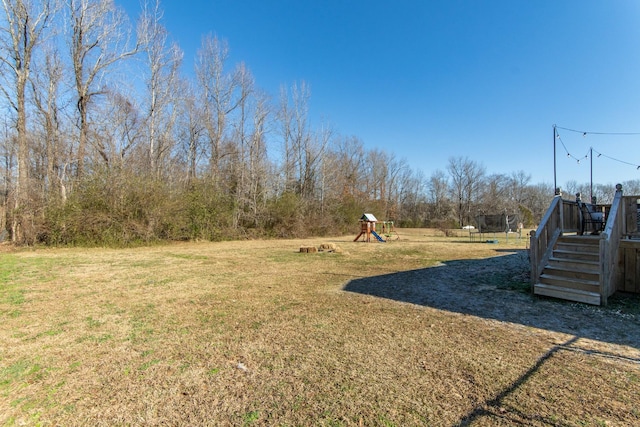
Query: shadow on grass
{"x": 494, "y": 408}
{"x": 498, "y": 288}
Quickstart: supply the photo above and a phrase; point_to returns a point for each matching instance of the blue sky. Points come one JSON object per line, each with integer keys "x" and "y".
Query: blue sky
{"x": 427, "y": 80}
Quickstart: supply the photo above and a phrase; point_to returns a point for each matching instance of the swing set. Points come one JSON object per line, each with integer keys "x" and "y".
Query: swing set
{"x": 368, "y": 228}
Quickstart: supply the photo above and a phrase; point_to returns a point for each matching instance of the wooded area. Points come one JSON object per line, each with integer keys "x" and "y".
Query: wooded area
{"x": 105, "y": 140}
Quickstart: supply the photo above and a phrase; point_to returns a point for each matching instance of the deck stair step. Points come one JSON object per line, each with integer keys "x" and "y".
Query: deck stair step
{"x": 589, "y": 256}
{"x": 573, "y": 271}
{"x": 580, "y": 240}
{"x": 576, "y": 247}
{"x": 578, "y": 264}
{"x": 570, "y": 282}
{"x": 569, "y": 294}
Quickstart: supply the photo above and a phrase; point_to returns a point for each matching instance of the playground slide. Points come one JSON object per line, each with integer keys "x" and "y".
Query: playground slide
{"x": 377, "y": 236}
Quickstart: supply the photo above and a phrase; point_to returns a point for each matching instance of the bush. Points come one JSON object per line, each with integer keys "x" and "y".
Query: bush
{"x": 113, "y": 209}
{"x": 206, "y": 213}
{"x": 286, "y": 216}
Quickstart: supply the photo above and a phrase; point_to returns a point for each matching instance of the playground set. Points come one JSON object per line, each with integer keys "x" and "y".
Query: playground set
{"x": 368, "y": 228}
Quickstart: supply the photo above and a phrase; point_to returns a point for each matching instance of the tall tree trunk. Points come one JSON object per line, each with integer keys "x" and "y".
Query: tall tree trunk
{"x": 21, "y": 199}
{"x": 24, "y": 24}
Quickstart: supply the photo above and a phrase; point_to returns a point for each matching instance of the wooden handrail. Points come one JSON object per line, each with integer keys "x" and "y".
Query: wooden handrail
{"x": 545, "y": 237}
{"x": 609, "y": 245}
{"x": 562, "y": 216}
{"x": 547, "y": 216}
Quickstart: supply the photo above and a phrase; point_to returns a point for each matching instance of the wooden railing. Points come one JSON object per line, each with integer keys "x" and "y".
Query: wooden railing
{"x": 570, "y": 216}
{"x": 628, "y": 265}
{"x": 609, "y": 247}
{"x": 562, "y": 216}
{"x": 630, "y": 206}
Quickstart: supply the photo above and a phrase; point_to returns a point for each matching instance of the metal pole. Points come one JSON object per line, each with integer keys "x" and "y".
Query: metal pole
{"x": 591, "y": 188}
{"x": 555, "y": 183}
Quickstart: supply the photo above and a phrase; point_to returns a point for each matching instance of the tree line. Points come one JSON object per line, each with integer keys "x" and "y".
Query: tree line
{"x": 106, "y": 141}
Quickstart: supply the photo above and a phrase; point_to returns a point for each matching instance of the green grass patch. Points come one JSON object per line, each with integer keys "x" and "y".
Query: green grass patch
{"x": 250, "y": 417}
{"x": 188, "y": 256}
{"x": 148, "y": 364}
{"x": 92, "y": 323}
{"x": 21, "y": 371}
{"x": 11, "y": 292}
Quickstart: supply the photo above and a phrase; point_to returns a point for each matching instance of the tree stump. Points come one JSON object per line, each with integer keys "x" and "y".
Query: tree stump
{"x": 329, "y": 247}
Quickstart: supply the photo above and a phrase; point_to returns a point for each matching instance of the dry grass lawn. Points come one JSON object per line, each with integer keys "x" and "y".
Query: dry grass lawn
{"x": 255, "y": 333}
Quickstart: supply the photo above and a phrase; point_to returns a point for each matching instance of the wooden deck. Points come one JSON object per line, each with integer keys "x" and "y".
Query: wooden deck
{"x": 629, "y": 266}
{"x": 587, "y": 268}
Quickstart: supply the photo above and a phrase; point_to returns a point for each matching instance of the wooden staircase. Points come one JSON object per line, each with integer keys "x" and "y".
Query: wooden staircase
{"x": 573, "y": 270}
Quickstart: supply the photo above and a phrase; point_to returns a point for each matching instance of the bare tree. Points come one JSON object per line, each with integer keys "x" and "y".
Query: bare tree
{"x": 325, "y": 136}
{"x": 572, "y": 188}
{"x": 220, "y": 95}
{"x": 257, "y": 158}
{"x": 630, "y": 187}
{"x": 99, "y": 37}
{"x": 46, "y": 84}
{"x": 163, "y": 61}
{"x": 24, "y": 25}
{"x": 466, "y": 180}
{"x": 400, "y": 186}
{"x": 495, "y": 195}
{"x": 399, "y": 174}
{"x": 7, "y": 166}
{"x": 302, "y": 151}
{"x": 248, "y": 171}
{"x": 349, "y": 169}
{"x": 438, "y": 195}
{"x": 518, "y": 181}
{"x": 412, "y": 198}
{"x": 375, "y": 169}
{"x": 191, "y": 130}
{"x": 117, "y": 130}
{"x": 286, "y": 123}
{"x": 384, "y": 173}
{"x": 538, "y": 198}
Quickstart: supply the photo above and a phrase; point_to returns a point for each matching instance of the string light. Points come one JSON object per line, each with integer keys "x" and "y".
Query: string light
{"x": 599, "y": 154}
{"x": 614, "y": 159}
{"x": 589, "y": 152}
{"x": 584, "y": 133}
{"x": 569, "y": 155}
